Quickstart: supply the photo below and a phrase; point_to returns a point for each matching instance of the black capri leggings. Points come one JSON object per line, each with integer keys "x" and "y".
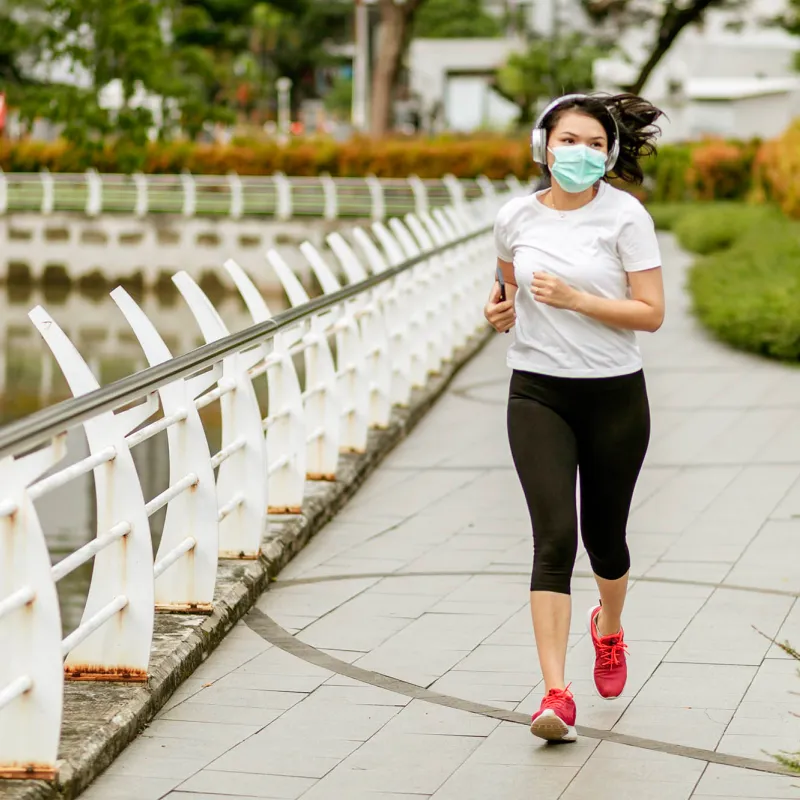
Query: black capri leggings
{"x": 557, "y": 428}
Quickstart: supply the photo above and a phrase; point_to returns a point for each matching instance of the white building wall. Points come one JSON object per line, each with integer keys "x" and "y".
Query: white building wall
{"x": 457, "y": 74}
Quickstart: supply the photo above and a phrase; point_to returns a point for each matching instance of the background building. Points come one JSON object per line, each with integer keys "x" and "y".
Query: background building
{"x": 733, "y": 75}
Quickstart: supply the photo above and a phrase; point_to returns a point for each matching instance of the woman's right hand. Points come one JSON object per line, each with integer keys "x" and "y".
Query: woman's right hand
{"x": 501, "y": 316}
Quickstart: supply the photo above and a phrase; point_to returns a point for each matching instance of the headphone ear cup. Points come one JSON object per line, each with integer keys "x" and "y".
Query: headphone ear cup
{"x": 613, "y": 155}
{"x": 538, "y": 145}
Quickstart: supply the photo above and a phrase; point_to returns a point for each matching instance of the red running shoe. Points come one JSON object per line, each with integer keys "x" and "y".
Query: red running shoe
{"x": 610, "y": 665}
{"x": 555, "y": 719}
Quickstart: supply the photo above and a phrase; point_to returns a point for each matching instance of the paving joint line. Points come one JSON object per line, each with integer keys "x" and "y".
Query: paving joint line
{"x": 270, "y": 631}
{"x": 282, "y": 584}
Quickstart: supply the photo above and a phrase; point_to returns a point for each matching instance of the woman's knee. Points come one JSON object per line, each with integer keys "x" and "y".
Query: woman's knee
{"x": 554, "y": 555}
{"x": 610, "y": 563}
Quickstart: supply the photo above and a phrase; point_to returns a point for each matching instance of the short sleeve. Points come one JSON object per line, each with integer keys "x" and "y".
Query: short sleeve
{"x": 638, "y": 244}
{"x": 501, "y": 237}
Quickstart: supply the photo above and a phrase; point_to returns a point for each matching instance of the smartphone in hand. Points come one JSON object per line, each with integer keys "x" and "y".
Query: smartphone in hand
{"x": 502, "y": 285}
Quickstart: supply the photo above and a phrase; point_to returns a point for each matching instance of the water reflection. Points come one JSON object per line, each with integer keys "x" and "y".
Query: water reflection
{"x": 30, "y": 379}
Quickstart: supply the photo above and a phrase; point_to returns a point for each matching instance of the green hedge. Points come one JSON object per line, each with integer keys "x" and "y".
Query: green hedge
{"x": 746, "y": 286}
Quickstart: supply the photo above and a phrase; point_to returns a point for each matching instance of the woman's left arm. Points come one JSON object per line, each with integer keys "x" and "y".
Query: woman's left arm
{"x": 644, "y": 311}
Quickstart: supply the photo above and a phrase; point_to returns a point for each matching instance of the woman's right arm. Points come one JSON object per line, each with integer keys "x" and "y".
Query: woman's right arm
{"x": 502, "y": 316}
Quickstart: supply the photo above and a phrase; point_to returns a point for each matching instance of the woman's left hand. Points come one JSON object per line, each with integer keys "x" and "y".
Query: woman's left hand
{"x": 554, "y": 292}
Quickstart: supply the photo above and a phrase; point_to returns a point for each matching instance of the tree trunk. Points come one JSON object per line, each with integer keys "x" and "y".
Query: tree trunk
{"x": 393, "y": 33}
{"x": 673, "y": 21}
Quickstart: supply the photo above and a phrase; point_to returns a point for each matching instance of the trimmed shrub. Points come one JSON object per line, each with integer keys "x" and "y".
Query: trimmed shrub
{"x": 665, "y": 175}
{"x": 721, "y": 170}
{"x": 666, "y": 215}
{"x": 747, "y": 291}
{"x": 709, "y": 170}
{"x": 718, "y": 226}
{"x": 391, "y": 158}
{"x": 777, "y": 172}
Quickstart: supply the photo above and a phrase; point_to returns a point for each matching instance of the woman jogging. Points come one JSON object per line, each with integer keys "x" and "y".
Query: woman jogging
{"x": 582, "y": 272}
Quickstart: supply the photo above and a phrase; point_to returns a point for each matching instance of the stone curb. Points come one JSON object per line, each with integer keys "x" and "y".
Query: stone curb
{"x": 100, "y": 720}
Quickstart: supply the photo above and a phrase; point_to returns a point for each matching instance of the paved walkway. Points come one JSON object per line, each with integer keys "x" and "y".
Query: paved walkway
{"x": 395, "y": 661}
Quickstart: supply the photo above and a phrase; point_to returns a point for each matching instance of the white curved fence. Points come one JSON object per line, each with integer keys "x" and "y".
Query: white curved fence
{"x": 410, "y": 294}
{"x": 235, "y": 196}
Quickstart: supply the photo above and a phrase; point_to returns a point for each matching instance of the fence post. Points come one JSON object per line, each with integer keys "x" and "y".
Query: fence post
{"x": 486, "y": 186}
{"x": 283, "y": 190}
{"x": 421, "y": 202}
{"x": 476, "y": 251}
{"x": 94, "y": 193}
{"x": 514, "y": 184}
{"x": 489, "y": 194}
{"x": 396, "y": 323}
{"x": 442, "y": 303}
{"x": 124, "y": 569}
{"x": 286, "y": 431}
{"x": 188, "y": 585}
{"x": 425, "y": 288}
{"x": 331, "y": 197}
{"x": 30, "y": 627}
{"x": 189, "y": 194}
{"x": 374, "y": 335}
{"x": 458, "y": 278}
{"x": 48, "y": 191}
{"x": 351, "y": 362}
{"x": 237, "y": 196}
{"x": 456, "y": 189}
{"x": 378, "y": 198}
{"x": 242, "y": 478}
{"x": 412, "y": 304}
{"x": 142, "y": 200}
{"x": 320, "y": 397}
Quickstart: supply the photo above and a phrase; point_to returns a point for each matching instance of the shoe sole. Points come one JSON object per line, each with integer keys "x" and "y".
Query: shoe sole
{"x": 550, "y": 727}
{"x": 591, "y": 642}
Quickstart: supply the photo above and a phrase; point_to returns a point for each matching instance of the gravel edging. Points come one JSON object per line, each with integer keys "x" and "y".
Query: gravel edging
{"x": 100, "y": 720}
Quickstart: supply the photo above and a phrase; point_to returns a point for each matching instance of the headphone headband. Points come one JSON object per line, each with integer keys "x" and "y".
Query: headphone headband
{"x": 539, "y": 134}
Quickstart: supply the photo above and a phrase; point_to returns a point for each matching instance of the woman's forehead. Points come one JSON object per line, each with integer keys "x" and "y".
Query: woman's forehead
{"x": 580, "y": 124}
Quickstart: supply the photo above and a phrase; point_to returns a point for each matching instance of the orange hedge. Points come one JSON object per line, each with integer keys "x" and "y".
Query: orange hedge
{"x": 465, "y": 158}
{"x": 721, "y": 170}
{"x": 777, "y": 172}
{"x": 707, "y": 170}
{"x": 711, "y": 169}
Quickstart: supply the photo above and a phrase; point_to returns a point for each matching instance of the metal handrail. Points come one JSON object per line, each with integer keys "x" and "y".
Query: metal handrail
{"x": 39, "y": 427}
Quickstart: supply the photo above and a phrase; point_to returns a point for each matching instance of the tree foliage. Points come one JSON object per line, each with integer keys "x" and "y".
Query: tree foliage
{"x": 455, "y": 19}
{"x": 547, "y": 69}
{"x": 189, "y": 62}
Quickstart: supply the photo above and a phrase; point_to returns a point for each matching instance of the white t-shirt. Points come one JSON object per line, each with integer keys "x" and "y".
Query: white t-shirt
{"x": 591, "y": 249}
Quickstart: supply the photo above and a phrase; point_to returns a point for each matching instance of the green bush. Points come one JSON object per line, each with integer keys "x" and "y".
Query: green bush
{"x": 666, "y": 174}
{"x": 718, "y": 226}
{"x": 666, "y": 215}
{"x": 747, "y": 291}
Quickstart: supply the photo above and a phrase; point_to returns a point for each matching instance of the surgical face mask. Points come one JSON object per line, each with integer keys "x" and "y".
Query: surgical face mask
{"x": 577, "y": 167}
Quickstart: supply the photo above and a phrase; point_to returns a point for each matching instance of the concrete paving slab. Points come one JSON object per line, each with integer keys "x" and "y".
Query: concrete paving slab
{"x": 402, "y": 586}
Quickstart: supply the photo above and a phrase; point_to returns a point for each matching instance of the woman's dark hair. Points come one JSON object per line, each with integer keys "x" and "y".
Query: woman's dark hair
{"x": 636, "y": 119}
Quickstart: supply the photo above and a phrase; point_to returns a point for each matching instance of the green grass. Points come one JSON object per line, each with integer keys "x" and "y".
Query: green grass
{"x": 746, "y": 284}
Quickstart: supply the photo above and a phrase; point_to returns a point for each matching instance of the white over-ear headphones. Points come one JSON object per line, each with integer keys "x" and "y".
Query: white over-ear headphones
{"x": 539, "y": 134}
